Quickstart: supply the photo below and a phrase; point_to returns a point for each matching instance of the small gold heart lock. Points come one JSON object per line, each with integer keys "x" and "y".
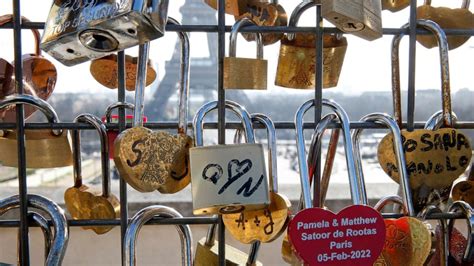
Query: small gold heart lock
{"x": 80, "y": 201}
{"x": 149, "y": 160}
{"x": 267, "y": 224}
{"x": 395, "y": 5}
{"x": 244, "y": 73}
{"x": 446, "y": 18}
{"x": 39, "y": 76}
{"x": 232, "y": 7}
{"x": 435, "y": 158}
{"x": 297, "y": 57}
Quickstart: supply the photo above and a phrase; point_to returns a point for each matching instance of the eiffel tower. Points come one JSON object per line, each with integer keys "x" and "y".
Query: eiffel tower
{"x": 203, "y": 78}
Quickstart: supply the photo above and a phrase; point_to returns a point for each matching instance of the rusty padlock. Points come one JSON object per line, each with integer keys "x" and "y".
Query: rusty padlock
{"x": 143, "y": 216}
{"x": 232, "y": 7}
{"x": 362, "y": 18}
{"x": 446, "y": 18}
{"x": 81, "y": 202}
{"x": 39, "y": 76}
{"x": 45, "y": 148}
{"x": 227, "y": 178}
{"x": 297, "y": 57}
{"x": 244, "y": 73}
{"x": 77, "y": 31}
{"x": 395, "y": 5}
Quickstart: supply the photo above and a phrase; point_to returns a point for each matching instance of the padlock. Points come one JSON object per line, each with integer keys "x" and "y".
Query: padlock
{"x": 395, "y": 5}
{"x": 446, "y": 18}
{"x": 80, "y": 201}
{"x": 363, "y": 18}
{"x": 227, "y": 178}
{"x": 45, "y": 148}
{"x": 77, "y": 31}
{"x": 440, "y": 238}
{"x": 232, "y": 7}
{"x": 462, "y": 248}
{"x": 432, "y": 162}
{"x": 58, "y": 218}
{"x": 463, "y": 189}
{"x": 265, "y": 14}
{"x": 267, "y": 224}
{"x": 207, "y": 252}
{"x": 312, "y": 230}
{"x": 42, "y": 222}
{"x": 145, "y": 215}
{"x": 105, "y": 71}
{"x": 149, "y": 160}
{"x": 297, "y": 57}
{"x": 244, "y": 73}
{"x": 39, "y": 76}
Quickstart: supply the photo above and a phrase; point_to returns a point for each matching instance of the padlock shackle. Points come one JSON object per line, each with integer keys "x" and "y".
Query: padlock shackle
{"x": 234, "y": 32}
{"x": 465, "y": 3}
{"x": 143, "y": 216}
{"x": 436, "y": 30}
{"x": 39, "y": 103}
{"x": 436, "y": 122}
{"x": 104, "y": 151}
{"x": 183, "y": 78}
{"x": 466, "y": 209}
{"x": 39, "y": 220}
{"x": 9, "y": 18}
{"x": 253, "y": 254}
{"x": 296, "y": 14}
{"x": 112, "y": 107}
{"x": 357, "y": 197}
{"x": 236, "y": 108}
{"x": 443, "y": 226}
{"x": 391, "y": 124}
{"x": 394, "y": 199}
{"x": 140, "y": 84}
{"x": 61, "y": 229}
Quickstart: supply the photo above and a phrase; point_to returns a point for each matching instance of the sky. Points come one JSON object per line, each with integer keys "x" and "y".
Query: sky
{"x": 366, "y": 66}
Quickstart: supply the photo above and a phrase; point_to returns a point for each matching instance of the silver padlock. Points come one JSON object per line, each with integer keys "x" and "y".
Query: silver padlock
{"x": 61, "y": 229}
{"x": 143, "y": 216}
{"x": 80, "y": 30}
{"x": 227, "y": 178}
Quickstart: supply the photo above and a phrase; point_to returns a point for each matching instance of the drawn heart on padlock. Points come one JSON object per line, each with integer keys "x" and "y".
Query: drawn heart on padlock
{"x": 407, "y": 242}
{"x": 434, "y": 158}
{"x": 355, "y": 235}
{"x": 241, "y": 168}
{"x": 148, "y": 160}
{"x": 84, "y": 205}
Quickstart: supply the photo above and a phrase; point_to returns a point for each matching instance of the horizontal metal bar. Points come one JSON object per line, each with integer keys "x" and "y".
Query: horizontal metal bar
{"x": 213, "y": 28}
{"x": 213, "y": 125}
{"x": 433, "y": 216}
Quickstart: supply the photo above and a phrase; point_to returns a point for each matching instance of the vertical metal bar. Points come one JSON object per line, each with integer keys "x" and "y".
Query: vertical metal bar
{"x": 411, "y": 68}
{"x": 221, "y": 108}
{"x": 20, "y": 127}
{"x": 123, "y": 185}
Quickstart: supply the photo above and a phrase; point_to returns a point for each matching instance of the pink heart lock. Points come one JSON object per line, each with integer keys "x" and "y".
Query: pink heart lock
{"x": 355, "y": 235}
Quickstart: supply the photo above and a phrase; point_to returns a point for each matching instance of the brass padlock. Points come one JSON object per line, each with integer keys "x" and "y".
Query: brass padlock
{"x": 145, "y": 215}
{"x": 58, "y": 218}
{"x": 45, "y": 148}
{"x": 105, "y": 71}
{"x": 149, "y": 160}
{"x": 267, "y": 224}
{"x": 446, "y": 18}
{"x": 227, "y": 178}
{"x": 80, "y": 201}
{"x": 395, "y": 5}
{"x": 296, "y": 61}
{"x": 266, "y": 14}
{"x": 78, "y": 31}
{"x": 363, "y": 18}
{"x": 244, "y": 73}
{"x": 39, "y": 76}
{"x": 232, "y": 7}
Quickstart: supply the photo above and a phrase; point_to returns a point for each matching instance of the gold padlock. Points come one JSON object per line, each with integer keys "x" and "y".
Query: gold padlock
{"x": 446, "y": 18}
{"x": 296, "y": 61}
{"x": 232, "y": 7}
{"x": 266, "y": 14}
{"x": 81, "y": 202}
{"x": 395, "y": 5}
{"x": 363, "y": 18}
{"x": 244, "y": 73}
{"x": 45, "y": 148}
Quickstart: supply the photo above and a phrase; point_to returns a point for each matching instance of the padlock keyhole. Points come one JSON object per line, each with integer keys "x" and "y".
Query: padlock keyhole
{"x": 98, "y": 40}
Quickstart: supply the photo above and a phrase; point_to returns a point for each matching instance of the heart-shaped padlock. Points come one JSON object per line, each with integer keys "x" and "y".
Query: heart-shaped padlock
{"x": 81, "y": 203}
{"x": 395, "y": 5}
{"x": 446, "y": 18}
{"x": 435, "y": 158}
{"x": 149, "y": 160}
{"x": 39, "y": 76}
{"x": 267, "y": 224}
